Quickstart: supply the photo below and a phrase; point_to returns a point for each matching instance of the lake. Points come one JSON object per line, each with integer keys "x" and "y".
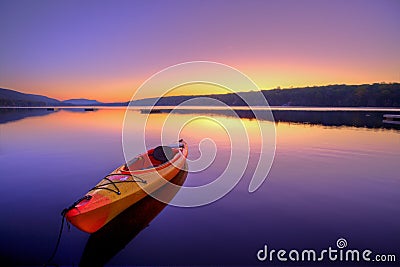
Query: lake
{"x": 335, "y": 175}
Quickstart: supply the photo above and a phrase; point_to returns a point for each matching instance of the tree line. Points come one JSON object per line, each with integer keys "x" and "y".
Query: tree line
{"x": 365, "y": 95}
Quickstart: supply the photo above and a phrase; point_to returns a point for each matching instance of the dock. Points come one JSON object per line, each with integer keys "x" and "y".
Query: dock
{"x": 391, "y": 118}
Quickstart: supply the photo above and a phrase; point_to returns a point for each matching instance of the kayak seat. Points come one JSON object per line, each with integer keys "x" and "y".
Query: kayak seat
{"x": 162, "y": 154}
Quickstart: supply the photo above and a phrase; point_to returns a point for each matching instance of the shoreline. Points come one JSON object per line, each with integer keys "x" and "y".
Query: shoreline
{"x": 166, "y": 108}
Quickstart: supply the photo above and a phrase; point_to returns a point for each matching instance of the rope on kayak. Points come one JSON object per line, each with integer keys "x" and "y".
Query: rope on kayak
{"x": 106, "y": 188}
{"x": 114, "y": 183}
{"x": 48, "y": 263}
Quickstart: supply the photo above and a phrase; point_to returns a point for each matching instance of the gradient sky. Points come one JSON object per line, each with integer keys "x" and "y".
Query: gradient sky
{"x": 104, "y": 50}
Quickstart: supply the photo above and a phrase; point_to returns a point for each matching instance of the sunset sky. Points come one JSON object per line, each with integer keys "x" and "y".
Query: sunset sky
{"x": 104, "y": 50}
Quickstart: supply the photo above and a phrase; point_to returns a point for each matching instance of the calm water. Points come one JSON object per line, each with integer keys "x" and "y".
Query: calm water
{"x": 325, "y": 183}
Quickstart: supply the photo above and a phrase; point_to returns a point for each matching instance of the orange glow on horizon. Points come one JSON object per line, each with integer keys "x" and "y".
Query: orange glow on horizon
{"x": 266, "y": 75}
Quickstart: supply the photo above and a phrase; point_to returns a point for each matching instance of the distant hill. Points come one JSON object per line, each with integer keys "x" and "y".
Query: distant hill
{"x": 81, "y": 102}
{"x": 16, "y": 99}
{"x": 115, "y": 104}
{"x": 165, "y": 100}
{"x": 366, "y": 95}
{"x": 12, "y": 98}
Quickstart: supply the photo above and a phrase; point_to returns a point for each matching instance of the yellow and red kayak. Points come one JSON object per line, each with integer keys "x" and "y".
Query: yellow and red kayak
{"x": 126, "y": 185}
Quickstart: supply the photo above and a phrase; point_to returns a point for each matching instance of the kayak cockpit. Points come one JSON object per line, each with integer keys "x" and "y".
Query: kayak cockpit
{"x": 152, "y": 159}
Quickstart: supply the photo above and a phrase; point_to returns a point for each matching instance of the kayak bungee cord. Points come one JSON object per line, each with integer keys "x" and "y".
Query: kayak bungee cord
{"x": 111, "y": 182}
{"x": 88, "y": 197}
{"x": 62, "y": 227}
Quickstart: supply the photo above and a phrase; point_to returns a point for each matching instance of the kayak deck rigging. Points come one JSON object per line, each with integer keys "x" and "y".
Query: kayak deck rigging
{"x": 113, "y": 183}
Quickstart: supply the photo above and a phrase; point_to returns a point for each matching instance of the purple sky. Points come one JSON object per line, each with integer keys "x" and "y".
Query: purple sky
{"x": 105, "y": 49}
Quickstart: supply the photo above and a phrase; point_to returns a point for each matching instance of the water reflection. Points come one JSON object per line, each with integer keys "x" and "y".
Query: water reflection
{"x": 325, "y": 183}
{"x": 113, "y": 237}
{"x": 335, "y": 118}
{"x": 15, "y": 114}
{"x": 354, "y": 117}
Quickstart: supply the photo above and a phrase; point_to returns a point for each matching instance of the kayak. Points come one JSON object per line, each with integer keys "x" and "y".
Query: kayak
{"x": 126, "y": 185}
